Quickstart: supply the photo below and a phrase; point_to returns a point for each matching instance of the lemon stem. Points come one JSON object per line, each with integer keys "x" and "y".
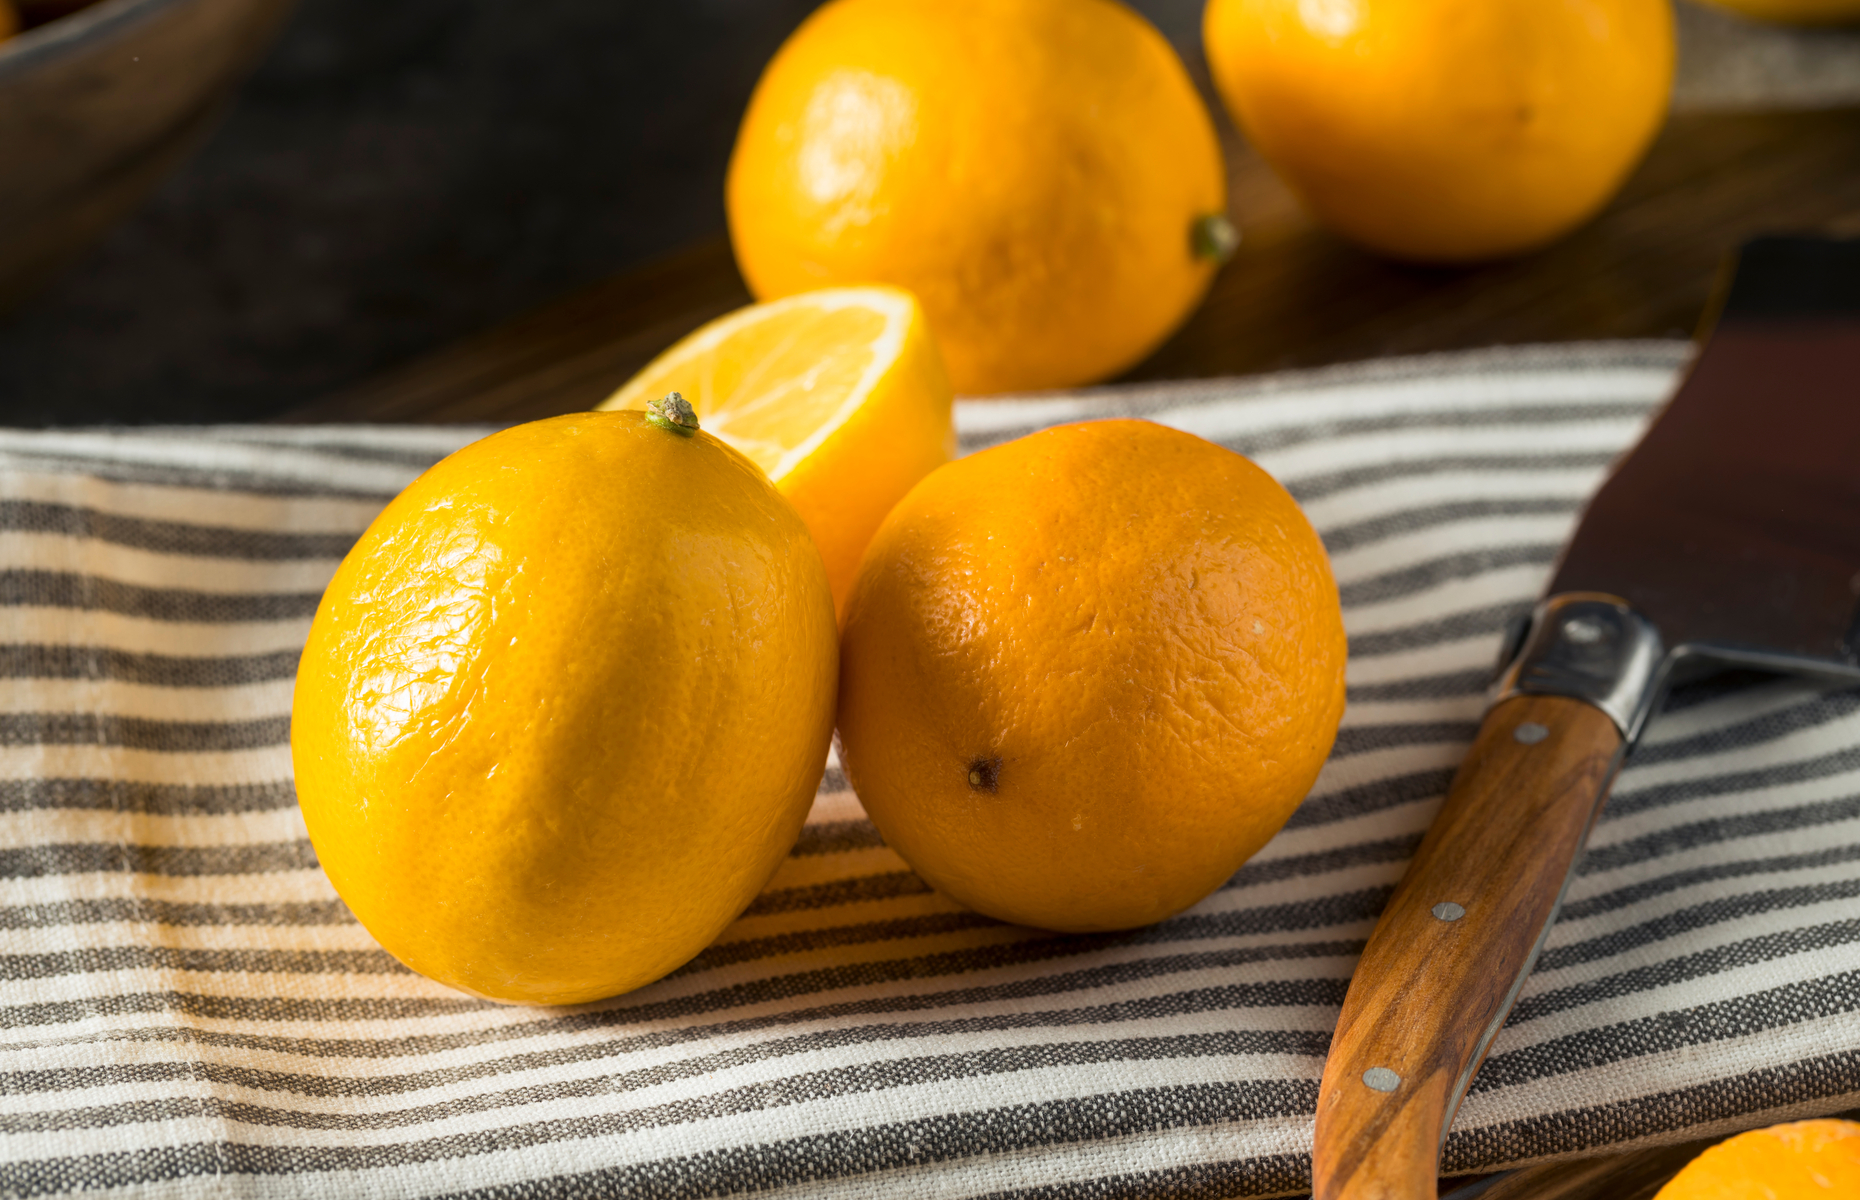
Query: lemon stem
{"x": 673, "y": 412}
{"x": 1214, "y": 237}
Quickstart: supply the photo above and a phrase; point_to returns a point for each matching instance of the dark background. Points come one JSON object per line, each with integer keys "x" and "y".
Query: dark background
{"x": 396, "y": 175}
{"x": 399, "y": 174}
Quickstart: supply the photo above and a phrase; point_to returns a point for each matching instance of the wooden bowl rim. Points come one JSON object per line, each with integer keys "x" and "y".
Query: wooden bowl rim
{"x": 72, "y": 34}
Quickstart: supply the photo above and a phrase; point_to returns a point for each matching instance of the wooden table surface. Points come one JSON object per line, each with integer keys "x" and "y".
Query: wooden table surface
{"x": 1293, "y": 296}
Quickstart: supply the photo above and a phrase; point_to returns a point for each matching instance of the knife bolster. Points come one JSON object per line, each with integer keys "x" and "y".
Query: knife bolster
{"x": 1590, "y": 647}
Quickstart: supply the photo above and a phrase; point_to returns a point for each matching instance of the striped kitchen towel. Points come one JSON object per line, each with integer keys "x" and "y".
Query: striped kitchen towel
{"x": 187, "y": 1009}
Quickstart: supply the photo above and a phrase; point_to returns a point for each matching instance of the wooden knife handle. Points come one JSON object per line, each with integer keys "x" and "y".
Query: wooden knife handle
{"x": 1453, "y": 946}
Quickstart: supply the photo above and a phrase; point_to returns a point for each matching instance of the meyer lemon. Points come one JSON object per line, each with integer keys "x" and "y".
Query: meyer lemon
{"x": 838, "y": 395}
{"x": 1040, "y": 173}
{"x": 1088, "y": 673}
{"x": 1446, "y": 130}
{"x": 1803, "y": 1160}
{"x": 564, "y": 707}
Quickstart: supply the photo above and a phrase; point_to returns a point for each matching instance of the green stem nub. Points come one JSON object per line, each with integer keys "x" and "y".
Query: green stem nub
{"x": 1214, "y": 238}
{"x": 673, "y": 412}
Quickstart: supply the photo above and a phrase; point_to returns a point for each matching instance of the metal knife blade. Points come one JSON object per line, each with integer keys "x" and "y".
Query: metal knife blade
{"x": 1734, "y": 526}
{"x": 1730, "y": 534}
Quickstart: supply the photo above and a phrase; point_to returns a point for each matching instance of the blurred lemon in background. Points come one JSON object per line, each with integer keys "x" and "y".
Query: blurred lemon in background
{"x": 1802, "y": 12}
{"x": 1040, "y": 173}
{"x": 564, "y": 707}
{"x": 838, "y": 395}
{"x": 1446, "y": 130}
{"x": 9, "y": 20}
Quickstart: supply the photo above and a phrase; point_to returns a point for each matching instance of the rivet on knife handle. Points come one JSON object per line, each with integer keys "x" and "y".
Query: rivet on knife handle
{"x": 1459, "y": 935}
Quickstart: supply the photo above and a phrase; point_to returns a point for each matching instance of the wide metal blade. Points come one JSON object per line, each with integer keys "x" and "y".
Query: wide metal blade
{"x": 1735, "y": 524}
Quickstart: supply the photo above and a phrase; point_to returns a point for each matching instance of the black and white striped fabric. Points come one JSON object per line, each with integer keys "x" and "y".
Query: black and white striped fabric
{"x": 186, "y": 1008}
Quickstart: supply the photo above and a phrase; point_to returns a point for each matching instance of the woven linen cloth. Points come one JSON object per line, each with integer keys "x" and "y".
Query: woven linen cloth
{"x": 186, "y": 1008}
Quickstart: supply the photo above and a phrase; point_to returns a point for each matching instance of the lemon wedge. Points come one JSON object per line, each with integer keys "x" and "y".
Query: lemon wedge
{"x": 838, "y": 395}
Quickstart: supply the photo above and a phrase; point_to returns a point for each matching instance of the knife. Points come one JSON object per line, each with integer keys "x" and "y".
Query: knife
{"x": 1729, "y": 536}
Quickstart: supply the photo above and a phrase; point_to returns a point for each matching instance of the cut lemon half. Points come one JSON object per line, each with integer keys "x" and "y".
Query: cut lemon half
{"x": 839, "y": 395}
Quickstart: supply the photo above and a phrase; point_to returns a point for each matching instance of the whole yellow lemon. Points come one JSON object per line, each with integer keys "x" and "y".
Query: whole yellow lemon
{"x": 1040, "y": 173}
{"x": 1446, "y": 130}
{"x": 564, "y": 707}
{"x": 1087, "y": 673}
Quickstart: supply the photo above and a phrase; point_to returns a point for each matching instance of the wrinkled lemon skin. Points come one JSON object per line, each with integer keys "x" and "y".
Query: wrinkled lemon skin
{"x": 1088, "y": 673}
{"x": 564, "y": 707}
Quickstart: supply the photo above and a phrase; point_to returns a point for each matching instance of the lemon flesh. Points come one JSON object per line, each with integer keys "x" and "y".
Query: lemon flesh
{"x": 838, "y": 395}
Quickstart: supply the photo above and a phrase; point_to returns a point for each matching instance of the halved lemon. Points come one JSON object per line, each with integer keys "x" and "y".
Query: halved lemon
{"x": 839, "y": 395}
